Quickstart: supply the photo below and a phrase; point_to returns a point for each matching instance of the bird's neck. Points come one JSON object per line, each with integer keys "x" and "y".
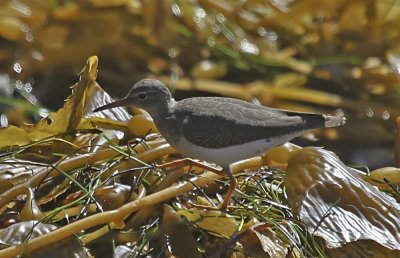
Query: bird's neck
{"x": 162, "y": 110}
{"x": 165, "y": 119}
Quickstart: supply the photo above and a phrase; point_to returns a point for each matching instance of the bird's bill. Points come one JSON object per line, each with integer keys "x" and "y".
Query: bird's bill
{"x": 119, "y": 103}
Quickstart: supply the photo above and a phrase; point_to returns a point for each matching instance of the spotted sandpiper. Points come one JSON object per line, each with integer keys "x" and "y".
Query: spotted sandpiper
{"x": 217, "y": 129}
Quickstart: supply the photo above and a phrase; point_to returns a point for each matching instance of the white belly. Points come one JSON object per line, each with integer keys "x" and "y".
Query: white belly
{"x": 229, "y": 155}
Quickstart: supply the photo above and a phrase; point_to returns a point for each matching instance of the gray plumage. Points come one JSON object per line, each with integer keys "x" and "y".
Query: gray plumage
{"x": 217, "y": 122}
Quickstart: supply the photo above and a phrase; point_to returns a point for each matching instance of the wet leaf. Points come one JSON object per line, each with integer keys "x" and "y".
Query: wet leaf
{"x": 52, "y": 188}
{"x": 113, "y": 196}
{"x": 265, "y": 243}
{"x": 20, "y": 232}
{"x": 216, "y": 222}
{"x": 180, "y": 240}
{"x": 382, "y": 176}
{"x": 16, "y": 171}
{"x": 31, "y": 209}
{"x": 334, "y": 202}
{"x": 122, "y": 251}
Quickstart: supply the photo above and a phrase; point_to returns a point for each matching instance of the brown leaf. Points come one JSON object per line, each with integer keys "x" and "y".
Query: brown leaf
{"x": 18, "y": 233}
{"x": 334, "y": 202}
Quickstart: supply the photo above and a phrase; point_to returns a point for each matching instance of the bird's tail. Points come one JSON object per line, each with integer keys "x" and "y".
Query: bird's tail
{"x": 333, "y": 121}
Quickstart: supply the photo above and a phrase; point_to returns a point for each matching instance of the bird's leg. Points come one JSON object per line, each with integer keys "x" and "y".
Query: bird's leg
{"x": 188, "y": 162}
{"x": 232, "y": 187}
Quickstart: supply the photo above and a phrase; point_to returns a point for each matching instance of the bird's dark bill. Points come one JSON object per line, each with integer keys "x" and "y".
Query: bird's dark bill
{"x": 118, "y": 103}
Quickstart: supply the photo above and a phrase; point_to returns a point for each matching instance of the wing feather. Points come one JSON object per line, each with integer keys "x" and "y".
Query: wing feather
{"x": 223, "y": 122}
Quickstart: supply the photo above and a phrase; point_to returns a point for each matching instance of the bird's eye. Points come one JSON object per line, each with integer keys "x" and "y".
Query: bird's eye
{"x": 142, "y": 96}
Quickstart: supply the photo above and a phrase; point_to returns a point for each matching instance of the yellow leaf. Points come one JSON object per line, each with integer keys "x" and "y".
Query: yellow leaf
{"x": 13, "y": 135}
{"x": 69, "y": 117}
{"x": 218, "y": 223}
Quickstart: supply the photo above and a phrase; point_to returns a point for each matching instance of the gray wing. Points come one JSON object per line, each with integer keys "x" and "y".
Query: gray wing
{"x": 223, "y": 122}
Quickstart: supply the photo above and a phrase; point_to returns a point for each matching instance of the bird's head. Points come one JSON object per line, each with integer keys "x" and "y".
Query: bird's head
{"x": 148, "y": 94}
